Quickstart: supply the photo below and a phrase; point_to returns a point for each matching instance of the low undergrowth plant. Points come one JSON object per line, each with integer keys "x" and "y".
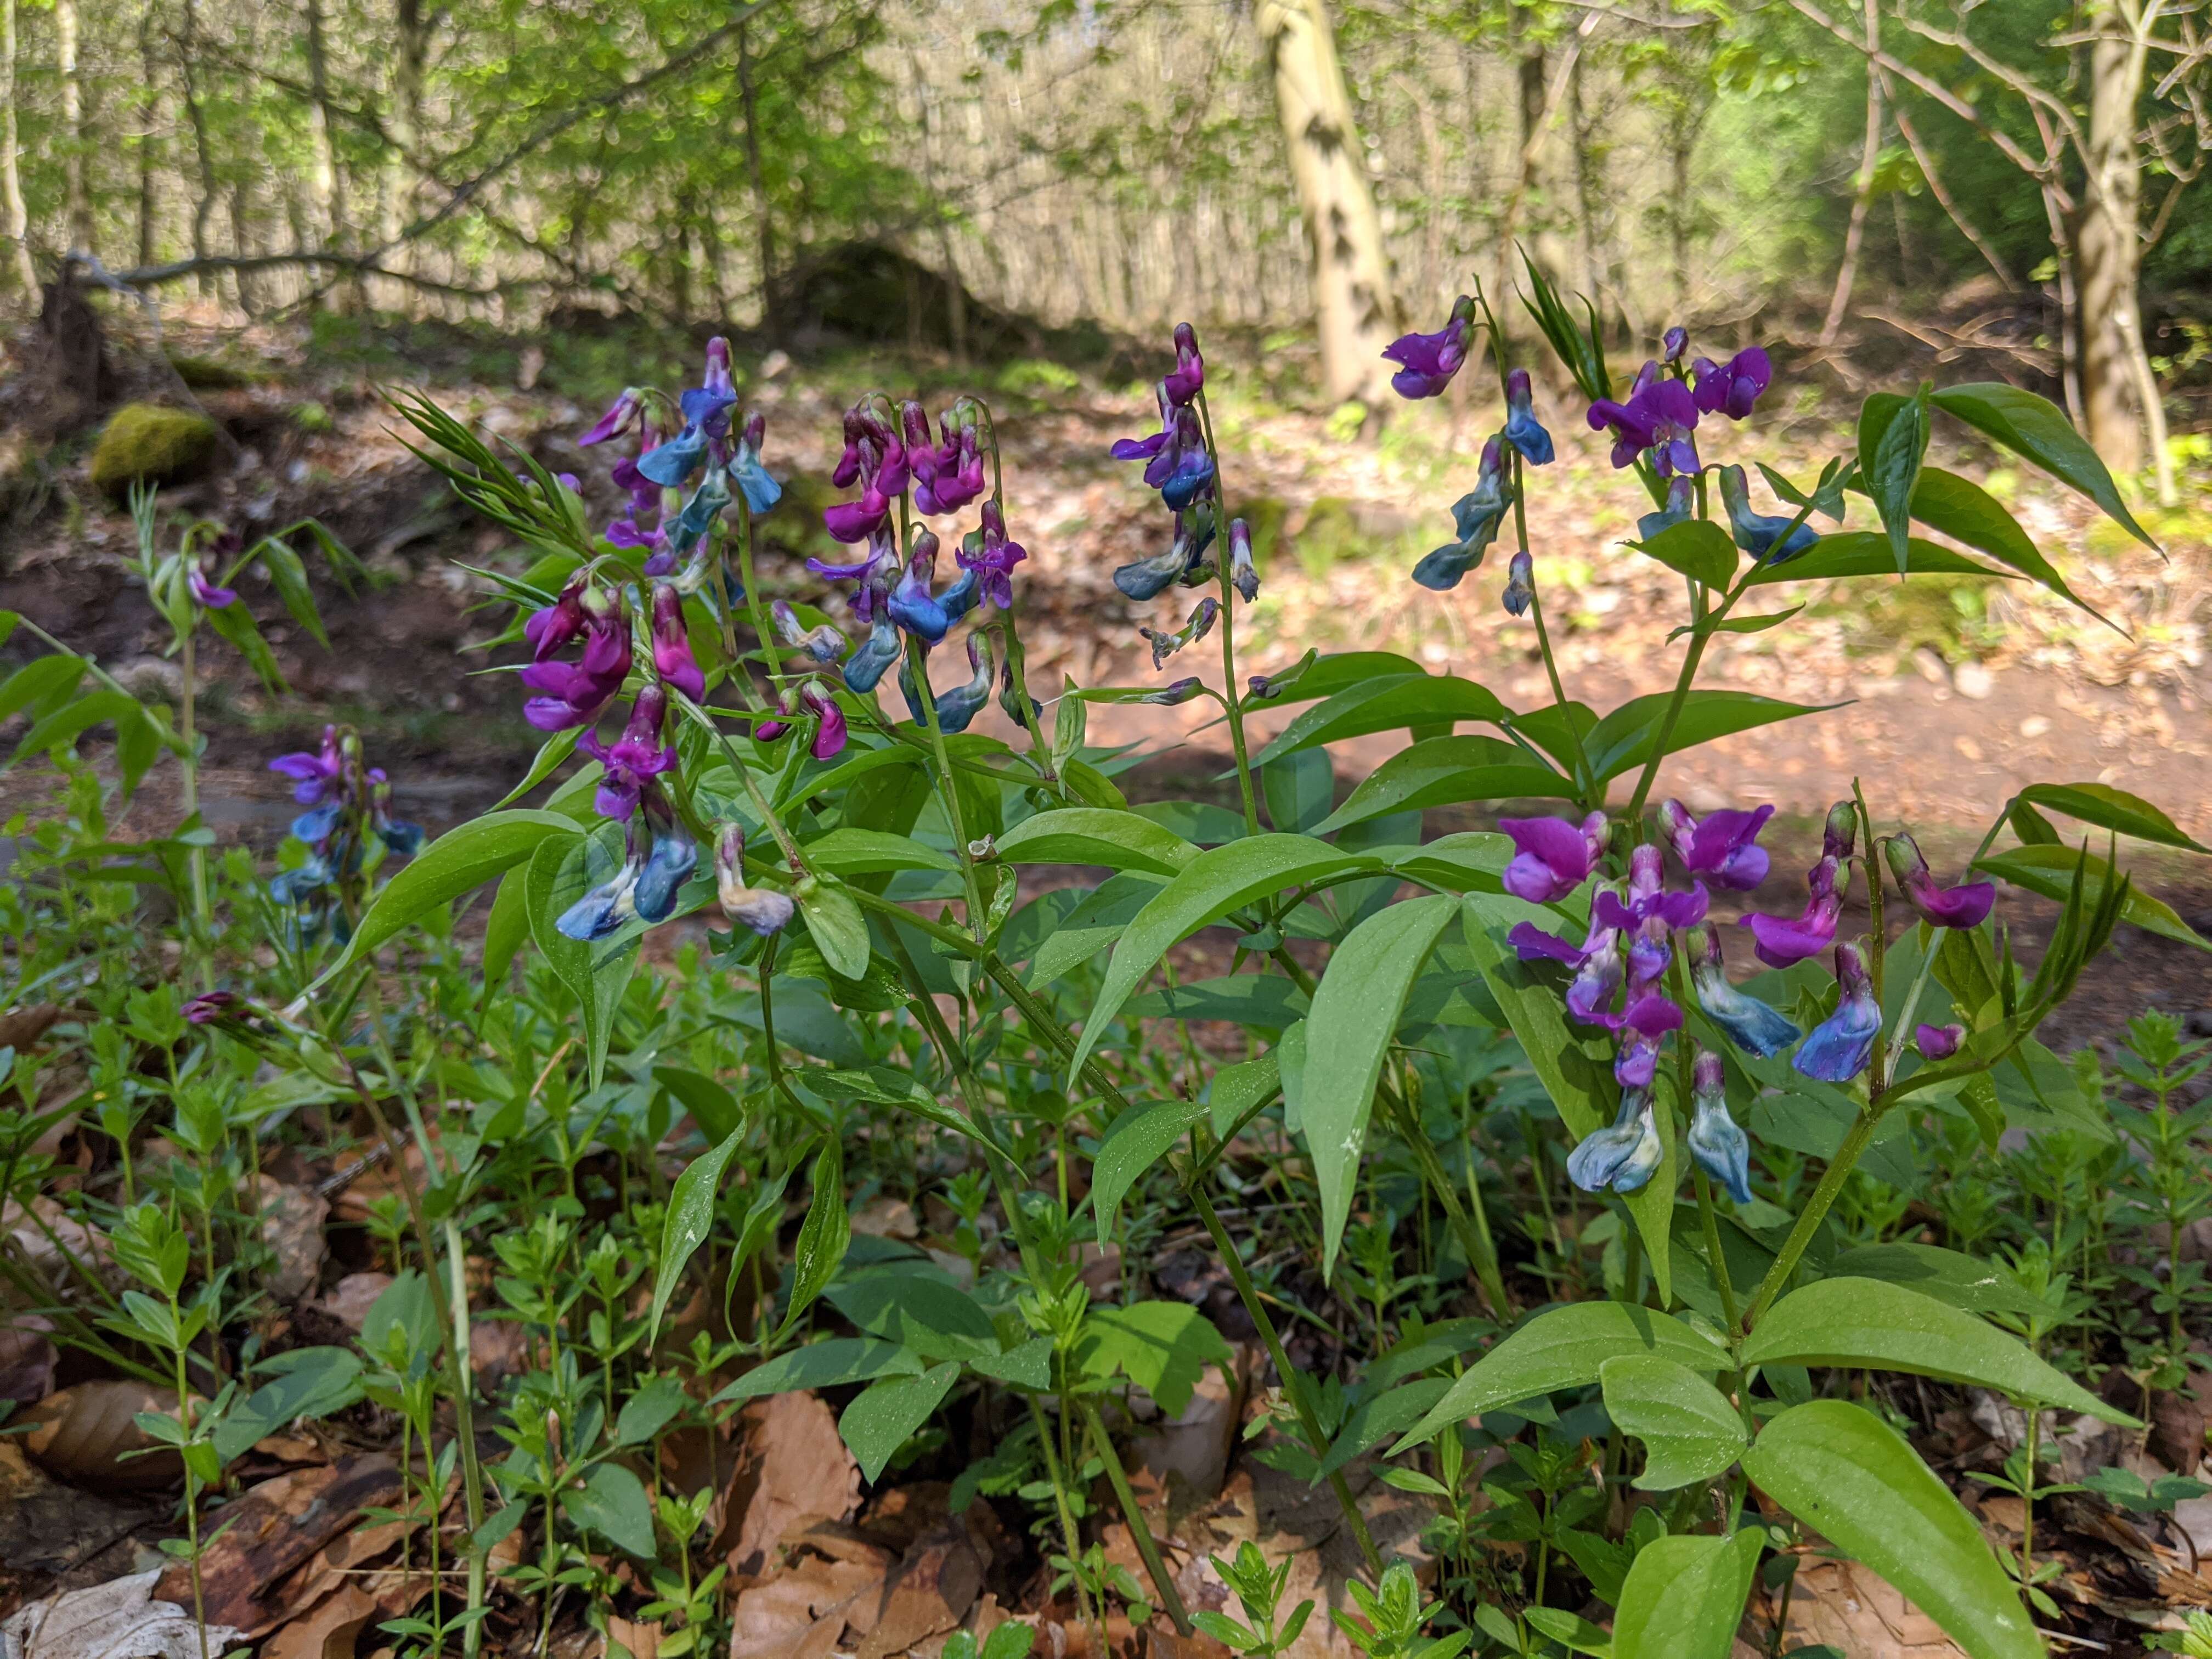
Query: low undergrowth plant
{"x": 1615, "y": 1262}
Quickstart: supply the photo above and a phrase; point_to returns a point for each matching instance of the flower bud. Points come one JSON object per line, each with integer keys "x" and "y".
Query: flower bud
{"x": 1520, "y": 585}
{"x": 1964, "y": 906}
{"x": 1842, "y": 831}
{"x": 1938, "y": 1041}
{"x": 762, "y": 909}
{"x": 1243, "y": 575}
{"x": 672, "y": 644}
{"x": 1674, "y": 343}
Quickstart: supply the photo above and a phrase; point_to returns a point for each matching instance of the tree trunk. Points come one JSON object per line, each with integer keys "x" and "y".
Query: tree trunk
{"x": 2108, "y": 260}
{"x": 1862, "y": 186}
{"x": 763, "y": 223}
{"x": 1352, "y": 304}
{"x": 14, "y": 219}
{"x": 150, "y": 107}
{"x": 76, "y": 142}
{"x": 402, "y": 188}
{"x": 196, "y": 114}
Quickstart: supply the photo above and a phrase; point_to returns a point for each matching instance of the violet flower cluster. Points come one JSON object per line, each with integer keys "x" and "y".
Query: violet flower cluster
{"x": 348, "y": 808}
{"x": 1427, "y": 364}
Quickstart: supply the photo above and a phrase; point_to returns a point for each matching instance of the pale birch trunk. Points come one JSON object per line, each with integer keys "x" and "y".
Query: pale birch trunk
{"x": 17, "y": 219}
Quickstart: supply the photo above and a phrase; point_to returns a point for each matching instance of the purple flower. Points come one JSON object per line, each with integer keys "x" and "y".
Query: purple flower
{"x": 1647, "y": 1020}
{"x": 1182, "y": 469}
{"x": 1715, "y": 1140}
{"x": 992, "y": 558}
{"x": 1759, "y": 534}
{"x": 1200, "y": 624}
{"x": 658, "y": 858}
{"x": 1520, "y": 591}
{"x": 1723, "y": 844}
{"x": 1734, "y": 387}
{"x": 925, "y": 615}
{"x": 551, "y": 630}
{"x": 206, "y": 593}
{"x": 1624, "y": 1156}
{"x": 874, "y": 571}
{"x": 633, "y": 760}
{"x": 1967, "y": 905}
{"x": 573, "y": 694}
{"x": 876, "y": 460}
{"x": 1657, "y": 419}
{"x": 1243, "y": 575}
{"x": 671, "y": 645}
{"x": 1837, "y": 1049}
{"x": 1753, "y": 1026}
{"x": 1177, "y": 692}
{"x": 1647, "y": 901}
{"x": 1428, "y": 362}
{"x": 1596, "y": 963}
{"x": 1184, "y": 380}
{"x": 705, "y": 423}
{"x": 622, "y": 414}
{"x": 1143, "y": 449}
{"x": 1477, "y": 516}
{"x": 1681, "y": 501}
{"x": 1673, "y": 344}
{"x": 829, "y": 722}
{"x": 947, "y": 475}
{"x": 1551, "y": 857}
{"x": 1938, "y": 1041}
{"x": 314, "y": 777}
{"x": 1522, "y": 430}
{"x": 1783, "y": 941}
{"x": 762, "y": 909}
{"x": 214, "y": 1007}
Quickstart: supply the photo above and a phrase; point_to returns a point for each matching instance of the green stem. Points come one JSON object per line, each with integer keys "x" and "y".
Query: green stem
{"x": 752, "y": 594}
{"x": 1472, "y": 1231}
{"x": 917, "y": 656}
{"x": 1246, "y": 1292}
{"x": 1584, "y": 781}
{"x": 203, "y": 927}
{"x": 1856, "y": 1141}
{"x": 1142, "y": 1534}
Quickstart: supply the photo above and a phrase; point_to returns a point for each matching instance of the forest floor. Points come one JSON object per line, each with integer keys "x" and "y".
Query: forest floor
{"x": 1948, "y": 694}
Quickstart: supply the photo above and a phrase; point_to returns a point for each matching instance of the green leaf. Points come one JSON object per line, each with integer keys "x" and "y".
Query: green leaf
{"x": 1565, "y": 1347}
{"x": 1854, "y": 1480}
{"x": 1623, "y": 739}
{"x": 38, "y": 680}
{"x": 711, "y": 1106}
{"x": 1867, "y": 553}
{"x": 1892, "y": 439}
{"x": 823, "y": 1365}
{"x": 2050, "y": 871}
{"x": 306, "y": 1382}
{"x": 1571, "y": 1630}
{"x": 1026, "y": 1365}
{"x": 1574, "y": 1065}
{"x": 459, "y": 859}
{"x": 72, "y": 720}
{"x": 1355, "y": 1010}
{"x": 1685, "y": 1596}
{"x": 1736, "y": 625}
{"x": 1315, "y": 676}
{"x": 550, "y": 755}
{"x": 596, "y": 971}
{"x": 835, "y": 925}
{"x": 1215, "y": 882}
{"x": 1384, "y": 704}
{"x": 1690, "y": 1431}
{"x": 690, "y": 1219}
{"x": 1237, "y": 1089}
{"x": 1699, "y": 548}
{"x": 650, "y": 1410}
{"x": 1869, "y": 1323}
{"x": 824, "y": 1235}
{"x": 1298, "y": 789}
{"x": 868, "y": 851}
{"x": 507, "y": 925}
{"x": 1962, "y": 1280}
{"x": 1446, "y": 772}
{"x": 612, "y": 1503}
{"x": 1097, "y": 835}
{"x": 1379, "y": 1416}
{"x": 883, "y": 1416}
{"x": 2111, "y": 809}
{"x": 2036, "y": 430}
{"x": 922, "y": 1310}
{"x": 1163, "y": 1347}
{"x": 1139, "y": 1138}
{"x": 289, "y": 576}
{"x": 1963, "y": 510}
{"x": 235, "y": 623}
{"x": 1470, "y": 860}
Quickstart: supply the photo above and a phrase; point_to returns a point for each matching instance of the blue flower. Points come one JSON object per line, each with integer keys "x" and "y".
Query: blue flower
{"x": 699, "y": 513}
{"x": 1520, "y": 585}
{"x": 1522, "y": 430}
{"x": 1837, "y": 1049}
{"x": 1715, "y": 1140}
{"x": 1624, "y": 1156}
{"x": 761, "y": 491}
{"x": 959, "y": 706}
{"x": 1182, "y": 563}
{"x": 1756, "y": 533}
{"x": 1751, "y": 1024}
{"x": 1478, "y": 515}
{"x": 877, "y": 652}
{"x": 1681, "y": 498}
{"x": 925, "y": 615}
{"x": 659, "y": 858}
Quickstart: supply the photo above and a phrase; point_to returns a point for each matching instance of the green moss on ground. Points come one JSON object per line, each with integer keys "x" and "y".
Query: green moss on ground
{"x": 145, "y": 443}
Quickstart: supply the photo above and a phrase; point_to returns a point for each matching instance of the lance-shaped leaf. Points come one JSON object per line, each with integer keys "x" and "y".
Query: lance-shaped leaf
{"x": 2036, "y": 430}
{"x": 1867, "y": 553}
{"x": 1685, "y": 1595}
{"x": 1097, "y": 835}
{"x": 1961, "y": 509}
{"x": 2110, "y": 809}
{"x": 1137, "y": 1138}
{"x": 1355, "y": 1010}
{"x": 1445, "y": 772}
{"x": 883, "y": 1416}
{"x": 1384, "y": 704}
{"x": 1624, "y": 739}
{"x": 1852, "y": 1479}
{"x": 2050, "y": 871}
{"x": 459, "y": 859}
{"x": 824, "y": 1235}
{"x": 690, "y": 1219}
{"x": 1875, "y": 1325}
{"x": 1893, "y": 440}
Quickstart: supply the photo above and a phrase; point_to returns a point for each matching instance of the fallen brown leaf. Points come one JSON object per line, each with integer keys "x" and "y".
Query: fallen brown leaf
{"x": 292, "y": 1227}
{"x": 114, "y": 1620}
{"x": 26, "y": 1358}
{"x": 930, "y": 1594}
{"x": 81, "y": 1434}
{"x": 792, "y": 1469}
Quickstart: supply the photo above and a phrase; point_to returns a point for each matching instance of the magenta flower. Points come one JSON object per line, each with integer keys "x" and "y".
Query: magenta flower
{"x": 1938, "y": 1041}
{"x": 634, "y": 760}
{"x": 314, "y": 777}
{"x": 1783, "y": 941}
{"x": 1189, "y": 376}
{"x": 622, "y": 414}
{"x": 551, "y": 630}
{"x": 949, "y": 475}
{"x": 1658, "y": 420}
{"x": 830, "y": 722}
{"x": 1552, "y": 857}
{"x": 206, "y": 593}
{"x": 672, "y": 644}
{"x": 1647, "y": 1020}
{"x": 1428, "y": 362}
{"x": 1596, "y": 963}
{"x": 1647, "y": 901}
{"x": 1673, "y": 344}
{"x": 573, "y": 694}
{"x": 1143, "y": 449}
{"x": 1964, "y": 906}
{"x": 1722, "y": 846}
{"x": 991, "y": 557}
{"x": 876, "y": 460}
{"x": 1731, "y": 388}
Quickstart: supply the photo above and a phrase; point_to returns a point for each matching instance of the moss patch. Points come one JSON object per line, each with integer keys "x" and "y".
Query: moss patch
{"x": 1329, "y": 535}
{"x": 145, "y": 443}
